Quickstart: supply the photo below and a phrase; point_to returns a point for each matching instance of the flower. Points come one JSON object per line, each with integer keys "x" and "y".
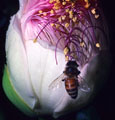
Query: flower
{"x": 43, "y": 36}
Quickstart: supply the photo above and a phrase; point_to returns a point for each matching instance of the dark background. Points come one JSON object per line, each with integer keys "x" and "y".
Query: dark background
{"x": 104, "y": 103}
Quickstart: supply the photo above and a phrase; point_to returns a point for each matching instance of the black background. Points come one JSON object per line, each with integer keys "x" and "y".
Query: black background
{"x": 104, "y": 102}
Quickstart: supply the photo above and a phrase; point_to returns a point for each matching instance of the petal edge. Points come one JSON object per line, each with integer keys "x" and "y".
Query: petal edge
{"x": 13, "y": 96}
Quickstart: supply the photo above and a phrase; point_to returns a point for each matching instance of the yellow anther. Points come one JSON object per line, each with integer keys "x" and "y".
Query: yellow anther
{"x": 64, "y": 3}
{"x": 74, "y": 19}
{"x": 87, "y": 5}
{"x": 44, "y": 14}
{"x": 57, "y": 26}
{"x": 86, "y": 1}
{"x": 52, "y": 11}
{"x": 66, "y": 58}
{"x": 96, "y": 16}
{"x": 66, "y": 50}
{"x": 70, "y": 14}
{"x": 40, "y": 11}
{"x": 82, "y": 44}
{"x": 52, "y": 24}
{"x": 66, "y": 25}
{"x": 97, "y": 45}
{"x": 58, "y": 1}
{"x": 59, "y": 19}
{"x": 67, "y": 0}
{"x": 63, "y": 17}
{"x": 72, "y": 4}
{"x": 93, "y": 11}
{"x": 51, "y": 1}
{"x": 35, "y": 40}
{"x": 67, "y": 10}
{"x": 56, "y": 6}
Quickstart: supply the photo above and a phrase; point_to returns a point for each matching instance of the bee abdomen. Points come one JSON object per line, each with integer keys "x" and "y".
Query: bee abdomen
{"x": 71, "y": 87}
{"x": 72, "y": 92}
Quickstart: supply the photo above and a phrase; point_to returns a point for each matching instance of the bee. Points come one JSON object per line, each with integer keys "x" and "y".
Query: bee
{"x": 70, "y": 77}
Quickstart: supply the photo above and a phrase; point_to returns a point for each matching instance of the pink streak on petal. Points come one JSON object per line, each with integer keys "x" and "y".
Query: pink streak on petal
{"x": 33, "y": 4}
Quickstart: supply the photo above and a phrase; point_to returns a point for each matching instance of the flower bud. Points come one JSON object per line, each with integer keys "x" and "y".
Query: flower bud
{"x": 48, "y": 49}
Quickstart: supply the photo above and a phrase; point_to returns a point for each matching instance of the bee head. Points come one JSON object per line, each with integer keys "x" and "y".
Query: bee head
{"x": 71, "y": 68}
{"x": 72, "y": 64}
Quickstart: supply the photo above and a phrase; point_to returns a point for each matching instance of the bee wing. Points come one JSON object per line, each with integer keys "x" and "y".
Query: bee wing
{"x": 83, "y": 86}
{"x": 57, "y": 82}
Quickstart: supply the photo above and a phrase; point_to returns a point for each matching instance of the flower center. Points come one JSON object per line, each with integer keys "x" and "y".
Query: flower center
{"x": 68, "y": 25}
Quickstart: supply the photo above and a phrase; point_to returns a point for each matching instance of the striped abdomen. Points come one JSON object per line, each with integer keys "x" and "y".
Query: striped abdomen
{"x": 71, "y": 87}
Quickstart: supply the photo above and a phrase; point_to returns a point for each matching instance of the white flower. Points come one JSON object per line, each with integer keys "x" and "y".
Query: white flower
{"x": 32, "y": 54}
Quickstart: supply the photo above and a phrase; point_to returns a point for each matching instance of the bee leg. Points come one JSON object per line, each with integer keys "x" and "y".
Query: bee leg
{"x": 77, "y": 83}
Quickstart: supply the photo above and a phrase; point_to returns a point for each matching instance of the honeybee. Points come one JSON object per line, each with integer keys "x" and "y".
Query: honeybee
{"x": 70, "y": 77}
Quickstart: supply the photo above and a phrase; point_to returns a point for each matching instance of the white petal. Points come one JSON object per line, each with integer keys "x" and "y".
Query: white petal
{"x": 18, "y": 66}
{"x": 43, "y": 70}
